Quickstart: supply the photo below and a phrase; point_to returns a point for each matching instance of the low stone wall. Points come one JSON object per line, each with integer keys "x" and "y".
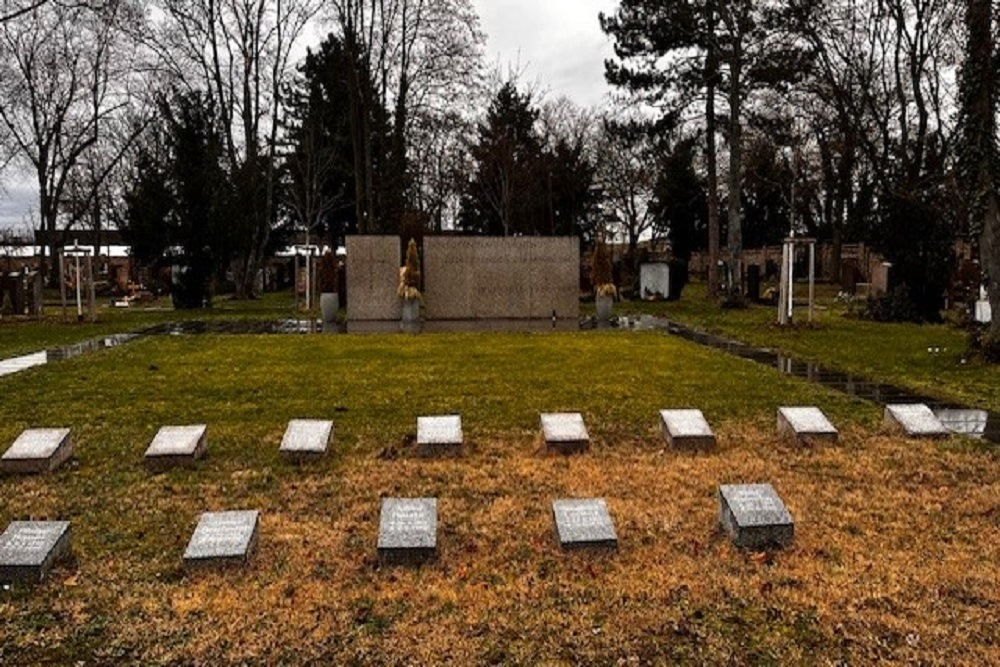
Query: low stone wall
{"x": 482, "y": 278}
{"x": 372, "y": 278}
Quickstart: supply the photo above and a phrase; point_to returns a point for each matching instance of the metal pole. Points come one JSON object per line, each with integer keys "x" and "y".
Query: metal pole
{"x": 812, "y": 277}
{"x": 79, "y": 303}
{"x": 62, "y": 280}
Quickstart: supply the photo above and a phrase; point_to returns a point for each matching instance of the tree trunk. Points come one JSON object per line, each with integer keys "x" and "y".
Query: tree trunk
{"x": 735, "y": 171}
{"x": 711, "y": 155}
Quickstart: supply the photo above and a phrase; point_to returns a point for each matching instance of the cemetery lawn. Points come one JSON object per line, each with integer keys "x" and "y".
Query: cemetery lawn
{"x": 887, "y": 352}
{"x": 896, "y": 554}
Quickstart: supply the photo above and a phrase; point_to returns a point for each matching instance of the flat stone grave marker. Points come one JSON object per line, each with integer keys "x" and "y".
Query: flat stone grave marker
{"x": 565, "y": 432}
{"x": 754, "y": 516}
{"x": 439, "y": 436}
{"x": 915, "y": 420}
{"x": 29, "y": 548}
{"x": 176, "y": 446}
{"x": 686, "y": 428}
{"x": 407, "y": 532}
{"x": 223, "y": 538}
{"x": 306, "y": 439}
{"x": 584, "y": 524}
{"x": 38, "y": 450}
{"x": 806, "y": 424}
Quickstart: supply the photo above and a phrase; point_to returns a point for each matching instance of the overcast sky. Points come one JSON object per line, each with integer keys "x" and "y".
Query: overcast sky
{"x": 556, "y": 44}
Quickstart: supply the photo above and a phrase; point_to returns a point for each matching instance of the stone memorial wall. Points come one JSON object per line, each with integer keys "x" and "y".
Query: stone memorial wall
{"x": 372, "y": 278}
{"x": 484, "y": 278}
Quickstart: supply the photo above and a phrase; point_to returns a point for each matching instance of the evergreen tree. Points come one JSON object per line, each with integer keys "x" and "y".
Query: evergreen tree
{"x": 679, "y": 203}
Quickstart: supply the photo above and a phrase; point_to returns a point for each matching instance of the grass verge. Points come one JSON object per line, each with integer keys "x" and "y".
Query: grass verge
{"x": 896, "y": 555}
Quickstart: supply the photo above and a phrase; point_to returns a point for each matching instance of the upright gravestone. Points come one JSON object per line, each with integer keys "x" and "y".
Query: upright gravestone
{"x": 176, "y": 446}
{"x": 584, "y": 524}
{"x": 686, "y": 429}
{"x": 754, "y": 516}
{"x": 407, "y": 532}
{"x": 806, "y": 424}
{"x": 565, "y": 432}
{"x": 29, "y": 548}
{"x": 38, "y": 450}
{"x": 306, "y": 439}
{"x": 915, "y": 420}
{"x": 439, "y": 436}
{"x": 222, "y": 538}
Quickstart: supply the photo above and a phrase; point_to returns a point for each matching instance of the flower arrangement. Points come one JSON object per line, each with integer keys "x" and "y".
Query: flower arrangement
{"x": 409, "y": 274}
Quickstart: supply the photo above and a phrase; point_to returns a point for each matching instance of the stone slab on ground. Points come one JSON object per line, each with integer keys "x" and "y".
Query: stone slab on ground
{"x": 915, "y": 420}
{"x": 28, "y": 549}
{"x": 806, "y": 424}
{"x": 686, "y": 429}
{"x": 439, "y": 436}
{"x": 565, "y": 432}
{"x": 754, "y": 516}
{"x": 176, "y": 446}
{"x": 38, "y": 450}
{"x": 407, "y": 532}
{"x": 223, "y": 538}
{"x": 584, "y": 524}
{"x": 306, "y": 439}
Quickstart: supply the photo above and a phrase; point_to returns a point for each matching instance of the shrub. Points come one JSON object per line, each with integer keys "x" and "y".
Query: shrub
{"x": 409, "y": 274}
{"x": 328, "y": 270}
{"x": 601, "y": 270}
{"x": 895, "y": 306}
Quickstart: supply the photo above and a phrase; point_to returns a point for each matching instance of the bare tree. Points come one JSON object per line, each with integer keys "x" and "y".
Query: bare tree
{"x": 239, "y": 52}
{"x": 59, "y": 89}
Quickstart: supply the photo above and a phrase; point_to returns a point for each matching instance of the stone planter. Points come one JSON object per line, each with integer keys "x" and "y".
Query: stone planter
{"x": 411, "y": 311}
{"x": 605, "y": 306}
{"x": 329, "y": 303}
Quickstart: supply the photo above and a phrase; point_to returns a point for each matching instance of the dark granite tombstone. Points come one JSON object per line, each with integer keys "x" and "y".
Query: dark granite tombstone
{"x": 306, "y": 439}
{"x": 439, "y": 436}
{"x": 38, "y": 450}
{"x": 686, "y": 429}
{"x": 176, "y": 446}
{"x": 407, "y": 532}
{"x": 754, "y": 516}
{"x": 29, "y": 548}
{"x": 584, "y": 524}
{"x": 565, "y": 433}
{"x": 223, "y": 538}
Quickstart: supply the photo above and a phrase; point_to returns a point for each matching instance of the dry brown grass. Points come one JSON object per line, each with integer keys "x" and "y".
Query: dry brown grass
{"x": 896, "y": 558}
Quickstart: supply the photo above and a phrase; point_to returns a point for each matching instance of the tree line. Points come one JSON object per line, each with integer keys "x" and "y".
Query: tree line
{"x": 205, "y": 131}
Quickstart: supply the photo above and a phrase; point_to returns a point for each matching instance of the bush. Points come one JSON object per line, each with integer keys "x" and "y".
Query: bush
{"x": 409, "y": 274}
{"x": 679, "y": 278}
{"x": 328, "y": 273}
{"x": 896, "y": 306}
{"x": 983, "y": 342}
{"x": 601, "y": 270}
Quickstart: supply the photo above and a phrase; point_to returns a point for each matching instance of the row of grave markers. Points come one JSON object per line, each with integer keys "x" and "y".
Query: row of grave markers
{"x": 45, "y": 449}
{"x": 753, "y": 515}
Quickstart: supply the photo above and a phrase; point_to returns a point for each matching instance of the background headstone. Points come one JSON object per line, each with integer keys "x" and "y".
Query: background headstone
{"x": 806, "y": 424}
{"x": 439, "y": 436}
{"x": 565, "y": 432}
{"x": 222, "y": 538}
{"x": 38, "y": 450}
{"x": 407, "y": 532}
{"x": 29, "y": 548}
{"x": 686, "y": 429}
{"x": 584, "y": 524}
{"x": 176, "y": 446}
{"x": 754, "y": 516}
{"x": 916, "y": 420}
{"x": 306, "y": 439}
